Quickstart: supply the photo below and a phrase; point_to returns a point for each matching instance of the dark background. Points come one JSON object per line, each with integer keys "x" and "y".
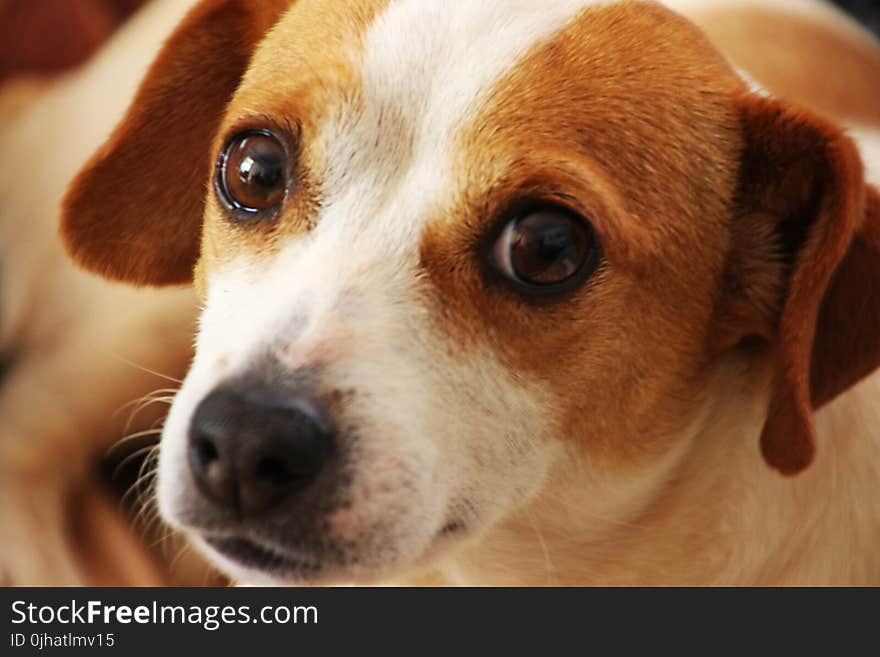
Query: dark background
{"x": 867, "y": 11}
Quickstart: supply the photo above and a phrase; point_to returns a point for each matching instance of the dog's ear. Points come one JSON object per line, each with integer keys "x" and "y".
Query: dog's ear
{"x": 134, "y": 211}
{"x": 804, "y": 268}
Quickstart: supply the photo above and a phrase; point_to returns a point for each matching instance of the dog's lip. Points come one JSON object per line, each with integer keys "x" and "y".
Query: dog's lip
{"x": 260, "y": 556}
{"x": 281, "y": 563}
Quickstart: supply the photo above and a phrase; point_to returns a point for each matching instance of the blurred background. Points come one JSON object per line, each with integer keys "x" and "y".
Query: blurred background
{"x": 47, "y": 36}
{"x": 87, "y": 368}
{"x": 867, "y": 11}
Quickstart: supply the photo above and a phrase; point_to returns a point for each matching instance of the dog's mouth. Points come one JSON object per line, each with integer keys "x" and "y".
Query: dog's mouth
{"x": 283, "y": 564}
{"x": 255, "y": 556}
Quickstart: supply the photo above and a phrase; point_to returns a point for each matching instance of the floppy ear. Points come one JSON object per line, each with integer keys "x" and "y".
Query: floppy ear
{"x": 804, "y": 268}
{"x": 134, "y": 211}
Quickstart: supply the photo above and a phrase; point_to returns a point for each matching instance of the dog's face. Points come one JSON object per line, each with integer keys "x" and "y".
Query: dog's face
{"x": 446, "y": 251}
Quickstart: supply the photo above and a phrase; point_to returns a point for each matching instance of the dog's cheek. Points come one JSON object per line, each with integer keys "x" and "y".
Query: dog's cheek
{"x": 495, "y": 429}
{"x": 442, "y": 434}
{"x": 385, "y": 417}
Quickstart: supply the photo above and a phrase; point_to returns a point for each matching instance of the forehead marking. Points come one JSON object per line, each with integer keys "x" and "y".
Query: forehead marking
{"x": 426, "y": 69}
{"x": 436, "y": 58}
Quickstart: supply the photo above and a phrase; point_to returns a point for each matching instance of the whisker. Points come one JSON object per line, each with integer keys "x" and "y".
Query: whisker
{"x": 176, "y": 560}
{"x": 150, "y": 395}
{"x": 148, "y": 518}
{"x": 163, "y": 542}
{"x": 147, "y": 469}
{"x": 155, "y": 397}
{"x": 155, "y": 431}
{"x": 149, "y": 371}
{"x": 549, "y": 566}
{"x": 128, "y": 459}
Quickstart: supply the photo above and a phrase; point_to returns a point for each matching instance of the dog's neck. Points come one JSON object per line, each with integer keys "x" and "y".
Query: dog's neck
{"x": 718, "y": 515}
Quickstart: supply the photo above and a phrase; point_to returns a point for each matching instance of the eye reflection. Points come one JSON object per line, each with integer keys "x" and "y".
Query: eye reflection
{"x": 544, "y": 248}
{"x": 253, "y": 172}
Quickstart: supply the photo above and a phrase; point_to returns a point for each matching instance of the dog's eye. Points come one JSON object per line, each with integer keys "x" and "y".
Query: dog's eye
{"x": 252, "y": 173}
{"x": 545, "y": 248}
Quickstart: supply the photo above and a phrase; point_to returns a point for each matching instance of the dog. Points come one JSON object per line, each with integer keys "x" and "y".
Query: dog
{"x": 511, "y": 292}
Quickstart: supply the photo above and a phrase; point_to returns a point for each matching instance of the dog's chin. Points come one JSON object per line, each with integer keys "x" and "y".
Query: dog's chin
{"x": 246, "y": 560}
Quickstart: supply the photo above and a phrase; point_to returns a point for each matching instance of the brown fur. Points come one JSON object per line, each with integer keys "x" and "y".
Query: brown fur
{"x": 640, "y": 372}
{"x": 795, "y": 170}
{"x": 294, "y": 85}
{"x": 169, "y": 123}
{"x": 801, "y": 173}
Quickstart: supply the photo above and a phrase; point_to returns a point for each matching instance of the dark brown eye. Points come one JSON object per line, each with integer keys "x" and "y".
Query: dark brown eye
{"x": 545, "y": 248}
{"x": 252, "y": 173}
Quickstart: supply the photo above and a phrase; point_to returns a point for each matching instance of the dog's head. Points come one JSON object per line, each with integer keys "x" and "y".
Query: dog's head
{"x": 445, "y": 248}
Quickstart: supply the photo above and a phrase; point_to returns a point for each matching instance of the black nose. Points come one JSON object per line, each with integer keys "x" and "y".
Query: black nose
{"x": 248, "y": 453}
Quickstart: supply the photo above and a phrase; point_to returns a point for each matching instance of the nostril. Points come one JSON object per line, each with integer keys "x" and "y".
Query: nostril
{"x": 213, "y": 472}
{"x": 275, "y": 467}
{"x": 206, "y": 451}
{"x": 273, "y": 471}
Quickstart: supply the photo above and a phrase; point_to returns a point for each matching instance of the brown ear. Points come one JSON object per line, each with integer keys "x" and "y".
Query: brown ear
{"x": 134, "y": 211}
{"x": 808, "y": 271}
